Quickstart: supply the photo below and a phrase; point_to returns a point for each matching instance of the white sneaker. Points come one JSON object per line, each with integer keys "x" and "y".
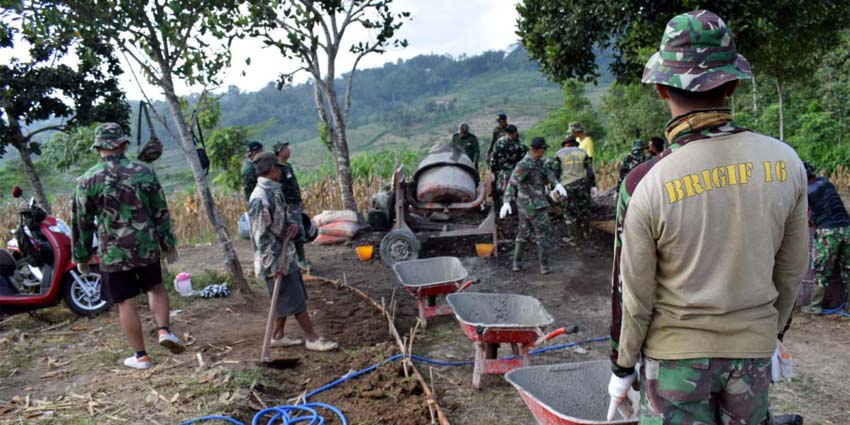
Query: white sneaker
{"x": 171, "y": 342}
{"x": 321, "y": 344}
{"x": 143, "y": 362}
{"x": 286, "y": 342}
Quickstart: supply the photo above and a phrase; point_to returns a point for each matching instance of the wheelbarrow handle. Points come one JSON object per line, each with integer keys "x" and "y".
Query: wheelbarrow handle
{"x": 467, "y": 285}
{"x": 556, "y": 332}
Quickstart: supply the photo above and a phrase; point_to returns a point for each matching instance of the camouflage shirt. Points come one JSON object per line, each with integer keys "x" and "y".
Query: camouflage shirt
{"x": 632, "y": 160}
{"x": 289, "y": 183}
{"x": 553, "y": 165}
{"x": 498, "y": 133}
{"x": 527, "y": 185}
{"x": 133, "y": 223}
{"x": 249, "y": 178}
{"x": 269, "y": 219}
{"x": 506, "y": 154}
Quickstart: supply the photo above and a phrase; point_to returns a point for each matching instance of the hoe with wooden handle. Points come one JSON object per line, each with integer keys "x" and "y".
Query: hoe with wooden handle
{"x": 265, "y": 356}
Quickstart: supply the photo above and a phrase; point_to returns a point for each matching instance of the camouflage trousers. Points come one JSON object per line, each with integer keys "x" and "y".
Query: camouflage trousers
{"x": 577, "y": 205}
{"x": 829, "y": 246}
{"x": 705, "y": 392}
{"x": 534, "y": 223}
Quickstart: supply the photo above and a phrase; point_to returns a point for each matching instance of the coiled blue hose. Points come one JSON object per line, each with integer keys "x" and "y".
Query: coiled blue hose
{"x": 838, "y": 310}
{"x": 282, "y": 414}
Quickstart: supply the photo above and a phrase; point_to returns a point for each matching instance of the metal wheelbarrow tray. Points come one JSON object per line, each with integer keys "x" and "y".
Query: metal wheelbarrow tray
{"x": 489, "y": 320}
{"x": 566, "y": 394}
{"x": 428, "y": 278}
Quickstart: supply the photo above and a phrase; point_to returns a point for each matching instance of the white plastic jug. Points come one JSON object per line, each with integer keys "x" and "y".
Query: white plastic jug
{"x": 183, "y": 284}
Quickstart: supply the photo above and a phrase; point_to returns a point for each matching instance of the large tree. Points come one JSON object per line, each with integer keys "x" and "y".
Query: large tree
{"x": 59, "y": 76}
{"x": 783, "y": 40}
{"x": 172, "y": 40}
{"x": 312, "y": 32}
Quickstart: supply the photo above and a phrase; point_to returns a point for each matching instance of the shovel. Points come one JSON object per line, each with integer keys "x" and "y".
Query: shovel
{"x": 265, "y": 359}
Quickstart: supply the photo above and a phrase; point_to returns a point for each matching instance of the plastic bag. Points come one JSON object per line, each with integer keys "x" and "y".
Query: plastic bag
{"x": 781, "y": 364}
{"x": 244, "y": 227}
{"x": 330, "y": 216}
{"x": 339, "y": 228}
{"x": 329, "y": 240}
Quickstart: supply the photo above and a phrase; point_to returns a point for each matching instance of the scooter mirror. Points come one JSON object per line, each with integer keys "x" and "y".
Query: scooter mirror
{"x": 17, "y": 192}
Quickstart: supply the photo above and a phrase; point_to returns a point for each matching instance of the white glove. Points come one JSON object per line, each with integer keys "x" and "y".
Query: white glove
{"x": 560, "y": 189}
{"x": 618, "y": 389}
{"x": 83, "y": 268}
{"x": 593, "y": 192}
{"x": 506, "y": 210}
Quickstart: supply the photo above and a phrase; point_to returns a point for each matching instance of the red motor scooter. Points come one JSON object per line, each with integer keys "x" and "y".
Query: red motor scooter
{"x": 36, "y": 270}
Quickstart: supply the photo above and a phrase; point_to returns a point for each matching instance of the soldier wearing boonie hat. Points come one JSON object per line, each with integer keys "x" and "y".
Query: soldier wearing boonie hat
{"x": 121, "y": 201}
{"x": 635, "y": 157}
{"x": 249, "y": 175}
{"x": 710, "y": 246}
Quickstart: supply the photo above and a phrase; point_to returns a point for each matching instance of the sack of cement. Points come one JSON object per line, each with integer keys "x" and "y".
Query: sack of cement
{"x": 446, "y": 175}
{"x": 244, "y": 227}
{"x": 331, "y": 216}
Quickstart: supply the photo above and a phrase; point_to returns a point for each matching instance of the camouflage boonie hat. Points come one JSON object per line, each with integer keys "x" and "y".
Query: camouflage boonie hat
{"x": 697, "y": 54}
{"x": 264, "y": 162}
{"x": 639, "y": 144}
{"x": 576, "y": 127}
{"x": 109, "y": 135}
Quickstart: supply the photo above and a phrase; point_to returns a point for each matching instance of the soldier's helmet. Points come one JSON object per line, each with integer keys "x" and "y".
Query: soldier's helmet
{"x": 639, "y": 144}
{"x": 697, "y": 54}
{"x": 109, "y": 135}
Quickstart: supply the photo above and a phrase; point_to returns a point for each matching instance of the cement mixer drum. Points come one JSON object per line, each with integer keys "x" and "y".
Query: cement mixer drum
{"x": 446, "y": 175}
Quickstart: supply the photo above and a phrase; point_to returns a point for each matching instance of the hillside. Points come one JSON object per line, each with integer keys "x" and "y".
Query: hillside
{"x": 407, "y": 104}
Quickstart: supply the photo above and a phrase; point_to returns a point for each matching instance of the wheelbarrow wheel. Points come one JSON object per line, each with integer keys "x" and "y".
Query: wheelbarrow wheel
{"x": 399, "y": 245}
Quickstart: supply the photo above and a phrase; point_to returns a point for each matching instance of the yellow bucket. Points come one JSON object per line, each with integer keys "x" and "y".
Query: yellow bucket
{"x": 484, "y": 249}
{"x": 364, "y": 252}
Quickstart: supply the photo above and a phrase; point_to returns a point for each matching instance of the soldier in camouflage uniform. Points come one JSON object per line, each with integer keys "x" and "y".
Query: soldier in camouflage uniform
{"x": 292, "y": 195}
{"x": 121, "y": 200}
{"x": 508, "y": 152}
{"x": 527, "y": 187}
{"x": 271, "y": 223}
{"x": 832, "y": 237}
{"x": 577, "y": 177}
{"x": 706, "y": 267}
{"x": 467, "y": 142}
{"x": 249, "y": 177}
{"x": 633, "y": 159}
{"x": 498, "y": 133}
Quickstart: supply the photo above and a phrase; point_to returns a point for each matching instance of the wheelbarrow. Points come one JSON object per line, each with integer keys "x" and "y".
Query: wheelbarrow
{"x": 566, "y": 394}
{"x": 430, "y": 278}
{"x": 489, "y": 320}
{"x": 577, "y": 394}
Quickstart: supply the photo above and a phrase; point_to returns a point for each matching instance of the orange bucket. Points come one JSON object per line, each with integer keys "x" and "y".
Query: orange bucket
{"x": 484, "y": 249}
{"x": 364, "y": 252}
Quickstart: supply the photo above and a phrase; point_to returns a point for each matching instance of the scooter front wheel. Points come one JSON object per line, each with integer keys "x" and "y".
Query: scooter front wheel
{"x": 82, "y": 293}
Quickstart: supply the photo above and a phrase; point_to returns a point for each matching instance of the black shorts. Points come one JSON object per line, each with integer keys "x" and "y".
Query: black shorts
{"x": 123, "y": 285}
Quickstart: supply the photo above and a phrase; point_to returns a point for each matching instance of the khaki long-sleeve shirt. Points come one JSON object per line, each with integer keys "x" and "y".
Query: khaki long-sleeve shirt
{"x": 711, "y": 248}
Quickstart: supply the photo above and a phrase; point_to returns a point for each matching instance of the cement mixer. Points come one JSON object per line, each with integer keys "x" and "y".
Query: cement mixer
{"x": 444, "y": 185}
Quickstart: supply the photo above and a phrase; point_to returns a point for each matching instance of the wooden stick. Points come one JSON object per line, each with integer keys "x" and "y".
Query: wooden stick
{"x": 265, "y": 356}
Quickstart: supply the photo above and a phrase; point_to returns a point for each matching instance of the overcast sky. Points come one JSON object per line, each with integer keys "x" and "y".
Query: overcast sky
{"x": 437, "y": 26}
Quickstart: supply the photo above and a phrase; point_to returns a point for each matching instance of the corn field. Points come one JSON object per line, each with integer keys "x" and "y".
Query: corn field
{"x": 191, "y": 225}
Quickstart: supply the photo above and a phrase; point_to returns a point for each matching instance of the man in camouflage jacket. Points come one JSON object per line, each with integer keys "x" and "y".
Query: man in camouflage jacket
{"x": 121, "y": 200}
{"x": 633, "y": 159}
{"x": 498, "y": 133}
{"x": 508, "y": 151}
{"x": 271, "y": 224}
{"x": 527, "y": 187}
{"x": 292, "y": 195}
{"x": 249, "y": 176}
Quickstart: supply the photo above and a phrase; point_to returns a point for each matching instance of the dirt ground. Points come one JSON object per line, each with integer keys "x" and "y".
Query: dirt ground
{"x": 73, "y": 370}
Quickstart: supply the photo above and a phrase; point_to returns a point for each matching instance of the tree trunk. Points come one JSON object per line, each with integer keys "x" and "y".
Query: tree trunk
{"x": 780, "y": 91}
{"x": 29, "y": 169}
{"x": 342, "y": 158}
{"x": 231, "y": 261}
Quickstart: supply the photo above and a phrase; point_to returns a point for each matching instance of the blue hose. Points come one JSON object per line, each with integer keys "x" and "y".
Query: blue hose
{"x": 838, "y": 310}
{"x": 282, "y": 414}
